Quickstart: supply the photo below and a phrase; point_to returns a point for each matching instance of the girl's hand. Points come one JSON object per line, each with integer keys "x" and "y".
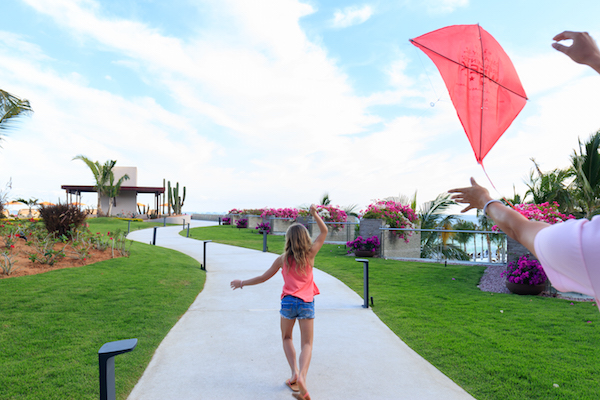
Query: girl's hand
{"x": 236, "y": 284}
{"x": 313, "y": 210}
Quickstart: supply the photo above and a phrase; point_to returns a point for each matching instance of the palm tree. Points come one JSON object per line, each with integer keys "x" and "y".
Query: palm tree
{"x": 586, "y": 167}
{"x": 486, "y": 225}
{"x": 432, "y": 217}
{"x": 112, "y": 189}
{"x": 464, "y": 237}
{"x": 29, "y": 203}
{"x": 102, "y": 176}
{"x": 550, "y": 186}
{"x": 11, "y": 107}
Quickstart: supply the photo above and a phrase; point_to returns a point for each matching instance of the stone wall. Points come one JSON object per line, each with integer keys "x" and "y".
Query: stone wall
{"x": 279, "y": 226}
{"x": 254, "y": 221}
{"x": 394, "y": 247}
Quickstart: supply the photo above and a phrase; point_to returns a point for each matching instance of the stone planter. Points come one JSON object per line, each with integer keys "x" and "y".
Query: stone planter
{"x": 254, "y": 221}
{"x": 394, "y": 247}
{"x": 337, "y": 232}
{"x": 279, "y": 226}
{"x": 235, "y": 218}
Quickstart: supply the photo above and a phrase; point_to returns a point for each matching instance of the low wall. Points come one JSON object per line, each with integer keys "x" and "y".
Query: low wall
{"x": 338, "y": 232}
{"x": 254, "y": 221}
{"x": 208, "y": 217}
{"x": 394, "y": 247}
{"x": 279, "y": 226}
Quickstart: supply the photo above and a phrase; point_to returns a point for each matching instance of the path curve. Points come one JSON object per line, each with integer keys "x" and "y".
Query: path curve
{"x": 228, "y": 345}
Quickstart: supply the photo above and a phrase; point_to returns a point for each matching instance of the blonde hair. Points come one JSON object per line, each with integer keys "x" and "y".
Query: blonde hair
{"x": 297, "y": 246}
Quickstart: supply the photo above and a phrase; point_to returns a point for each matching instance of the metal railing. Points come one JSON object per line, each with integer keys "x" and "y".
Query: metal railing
{"x": 484, "y": 253}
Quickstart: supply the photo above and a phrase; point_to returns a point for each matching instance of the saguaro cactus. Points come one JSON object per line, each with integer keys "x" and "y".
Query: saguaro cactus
{"x": 175, "y": 201}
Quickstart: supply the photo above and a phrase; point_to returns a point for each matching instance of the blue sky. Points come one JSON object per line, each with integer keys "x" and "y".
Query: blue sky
{"x": 273, "y": 103}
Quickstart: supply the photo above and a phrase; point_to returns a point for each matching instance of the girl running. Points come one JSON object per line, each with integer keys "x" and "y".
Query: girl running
{"x": 297, "y": 302}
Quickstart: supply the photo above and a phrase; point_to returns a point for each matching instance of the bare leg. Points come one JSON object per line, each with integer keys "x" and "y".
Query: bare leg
{"x": 287, "y": 326}
{"x": 306, "y": 331}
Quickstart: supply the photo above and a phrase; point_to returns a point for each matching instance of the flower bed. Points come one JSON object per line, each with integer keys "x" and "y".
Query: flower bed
{"x": 362, "y": 244}
{"x": 395, "y": 215}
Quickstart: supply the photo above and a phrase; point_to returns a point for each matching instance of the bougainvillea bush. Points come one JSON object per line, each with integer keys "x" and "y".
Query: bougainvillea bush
{"x": 290, "y": 213}
{"x": 544, "y": 212}
{"x": 395, "y": 214}
{"x": 242, "y": 223}
{"x": 525, "y": 271}
{"x": 264, "y": 226}
{"x": 226, "y": 221}
{"x": 330, "y": 215}
{"x": 362, "y": 244}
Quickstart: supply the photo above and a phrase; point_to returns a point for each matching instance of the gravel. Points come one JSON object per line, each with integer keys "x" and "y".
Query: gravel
{"x": 491, "y": 281}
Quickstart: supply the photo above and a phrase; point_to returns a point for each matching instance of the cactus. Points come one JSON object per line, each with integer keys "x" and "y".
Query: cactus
{"x": 175, "y": 201}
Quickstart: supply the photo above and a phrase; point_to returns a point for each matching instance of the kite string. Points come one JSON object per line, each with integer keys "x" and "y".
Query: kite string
{"x": 494, "y": 186}
{"x": 428, "y": 78}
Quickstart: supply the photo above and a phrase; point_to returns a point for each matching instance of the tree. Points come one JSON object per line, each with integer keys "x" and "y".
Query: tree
{"x": 112, "y": 189}
{"x": 550, "y": 186}
{"x": 11, "y": 107}
{"x": 325, "y": 200}
{"x": 104, "y": 178}
{"x": 586, "y": 167}
{"x": 29, "y": 203}
{"x": 464, "y": 237}
{"x": 486, "y": 225}
{"x": 434, "y": 245}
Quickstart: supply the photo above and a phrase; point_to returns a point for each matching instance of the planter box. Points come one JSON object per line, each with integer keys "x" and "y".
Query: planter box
{"x": 279, "y": 225}
{"x": 235, "y": 218}
{"x": 254, "y": 221}
{"x": 343, "y": 234}
{"x": 395, "y": 247}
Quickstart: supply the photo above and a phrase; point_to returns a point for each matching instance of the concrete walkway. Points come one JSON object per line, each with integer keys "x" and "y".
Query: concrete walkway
{"x": 228, "y": 344}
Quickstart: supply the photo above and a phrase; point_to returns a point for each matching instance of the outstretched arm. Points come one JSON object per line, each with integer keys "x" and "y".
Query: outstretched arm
{"x": 318, "y": 243}
{"x": 583, "y": 50}
{"x": 508, "y": 220}
{"x": 239, "y": 284}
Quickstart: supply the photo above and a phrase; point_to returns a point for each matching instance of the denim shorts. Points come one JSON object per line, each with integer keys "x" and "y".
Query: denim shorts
{"x": 295, "y": 308}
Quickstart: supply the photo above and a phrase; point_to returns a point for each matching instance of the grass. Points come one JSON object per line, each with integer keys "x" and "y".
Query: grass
{"x": 53, "y": 324}
{"x": 519, "y": 353}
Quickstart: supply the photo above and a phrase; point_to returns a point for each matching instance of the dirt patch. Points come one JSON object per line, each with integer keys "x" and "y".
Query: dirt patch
{"x": 21, "y": 252}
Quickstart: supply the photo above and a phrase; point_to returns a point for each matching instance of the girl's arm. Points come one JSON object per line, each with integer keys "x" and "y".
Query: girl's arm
{"x": 508, "y": 220}
{"x": 239, "y": 284}
{"x": 318, "y": 243}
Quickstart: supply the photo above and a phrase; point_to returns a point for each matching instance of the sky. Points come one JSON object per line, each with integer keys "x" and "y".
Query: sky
{"x": 273, "y": 103}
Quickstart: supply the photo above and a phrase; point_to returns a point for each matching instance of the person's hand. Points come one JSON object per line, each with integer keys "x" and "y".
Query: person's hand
{"x": 236, "y": 284}
{"x": 475, "y": 196}
{"x": 313, "y": 210}
{"x": 584, "y": 49}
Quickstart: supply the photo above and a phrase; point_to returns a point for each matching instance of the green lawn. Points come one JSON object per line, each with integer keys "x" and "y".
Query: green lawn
{"x": 439, "y": 312}
{"x": 52, "y": 325}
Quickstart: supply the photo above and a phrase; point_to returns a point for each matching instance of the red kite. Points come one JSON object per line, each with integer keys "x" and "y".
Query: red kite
{"x": 482, "y": 81}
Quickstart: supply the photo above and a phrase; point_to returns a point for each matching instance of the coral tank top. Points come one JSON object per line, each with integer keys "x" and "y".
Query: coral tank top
{"x": 298, "y": 285}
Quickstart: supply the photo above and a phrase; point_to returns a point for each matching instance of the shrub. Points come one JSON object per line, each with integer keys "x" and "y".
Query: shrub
{"x": 62, "y": 219}
{"x": 360, "y": 243}
{"x": 264, "y": 226}
{"x": 525, "y": 271}
{"x": 395, "y": 214}
{"x": 242, "y": 223}
{"x": 291, "y": 213}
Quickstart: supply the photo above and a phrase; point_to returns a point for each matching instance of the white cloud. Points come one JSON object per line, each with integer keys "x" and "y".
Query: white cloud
{"x": 350, "y": 16}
